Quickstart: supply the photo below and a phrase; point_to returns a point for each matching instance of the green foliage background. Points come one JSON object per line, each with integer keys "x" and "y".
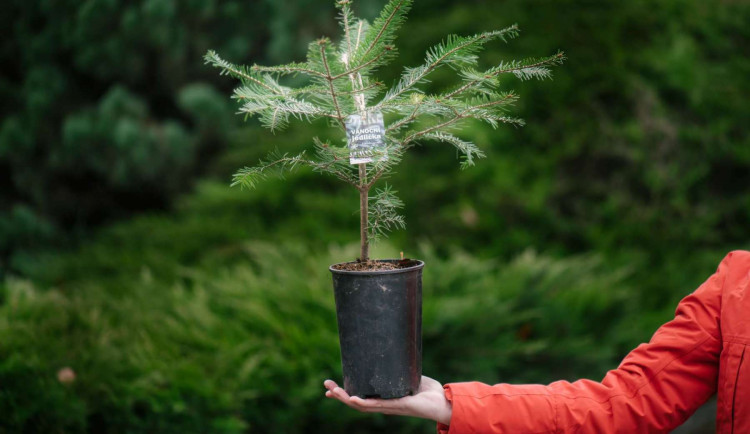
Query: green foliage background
{"x": 184, "y": 306}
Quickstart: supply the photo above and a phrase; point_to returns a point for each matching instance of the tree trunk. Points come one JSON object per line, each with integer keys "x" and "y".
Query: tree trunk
{"x": 364, "y": 246}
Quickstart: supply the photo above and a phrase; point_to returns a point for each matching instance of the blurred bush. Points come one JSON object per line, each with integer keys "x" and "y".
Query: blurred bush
{"x": 245, "y": 348}
{"x": 105, "y": 108}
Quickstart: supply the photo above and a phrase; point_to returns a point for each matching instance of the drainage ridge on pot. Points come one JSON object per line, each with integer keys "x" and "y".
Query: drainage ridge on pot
{"x": 379, "y": 316}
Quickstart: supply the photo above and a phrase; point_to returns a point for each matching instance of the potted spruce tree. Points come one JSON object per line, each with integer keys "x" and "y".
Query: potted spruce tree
{"x": 378, "y": 302}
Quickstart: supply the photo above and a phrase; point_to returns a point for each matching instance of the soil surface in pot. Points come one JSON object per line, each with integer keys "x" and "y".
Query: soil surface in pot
{"x": 376, "y": 265}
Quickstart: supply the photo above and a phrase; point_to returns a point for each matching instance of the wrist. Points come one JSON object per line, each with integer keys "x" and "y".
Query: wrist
{"x": 445, "y": 411}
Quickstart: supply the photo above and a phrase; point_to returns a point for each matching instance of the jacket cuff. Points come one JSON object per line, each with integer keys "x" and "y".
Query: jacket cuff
{"x": 441, "y": 427}
{"x": 503, "y": 408}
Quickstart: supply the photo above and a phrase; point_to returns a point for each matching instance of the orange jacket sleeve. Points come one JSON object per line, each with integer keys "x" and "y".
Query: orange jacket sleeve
{"x": 655, "y": 388}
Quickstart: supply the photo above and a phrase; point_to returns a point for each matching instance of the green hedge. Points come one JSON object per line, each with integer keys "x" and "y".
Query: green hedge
{"x": 244, "y": 348}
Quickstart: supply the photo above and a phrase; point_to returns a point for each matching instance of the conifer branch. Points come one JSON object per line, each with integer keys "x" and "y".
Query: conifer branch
{"x": 395, "y": 10}
{"x": 318, "y": 90}
{"x": 514, "y": 67}
{"x": 345, "y": 13}
{"x": 275, "y": 113}
{"x": 292, "y": 68}
{"x": 375, "y": 178}
{"x": 279, "y": 164}
{"x": 248, "y": 177}
{"x": 383, "y": 213}
{"x": 363, "y": 89}
{"x": 359, "y": 34}
{"x": 467, "y": 112}
{"x": 228, "y": 68}
{"x": 328, "y": 77}
{"x": 405, "y": 120}
{"x": 442, "y": 53}
{"x": 383, "y": 166}
{"x": 469, "y": 150}
{"x": 362, "y": 66}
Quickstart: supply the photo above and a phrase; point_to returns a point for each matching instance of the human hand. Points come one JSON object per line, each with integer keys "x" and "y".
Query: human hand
{"x": 429, "y": 402}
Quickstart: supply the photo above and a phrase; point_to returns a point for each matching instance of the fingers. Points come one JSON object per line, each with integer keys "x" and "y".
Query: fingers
{"x": 335, "y": 392}
{"x": 364, "y": 405}
{"x": 330, "y": 384}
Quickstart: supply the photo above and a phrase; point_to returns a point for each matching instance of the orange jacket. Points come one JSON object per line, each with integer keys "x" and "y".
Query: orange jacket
{"x": 655, "y": 388}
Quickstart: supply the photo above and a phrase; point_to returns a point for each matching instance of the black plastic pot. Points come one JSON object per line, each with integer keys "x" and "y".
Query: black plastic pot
{"x": 380, "y": 330}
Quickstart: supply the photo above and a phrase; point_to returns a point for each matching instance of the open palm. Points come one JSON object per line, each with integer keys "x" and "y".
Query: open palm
{"x": 428, "y": 403}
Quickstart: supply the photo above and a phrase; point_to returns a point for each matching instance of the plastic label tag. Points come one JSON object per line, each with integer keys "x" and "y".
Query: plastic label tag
{"x": 366, "y": 137}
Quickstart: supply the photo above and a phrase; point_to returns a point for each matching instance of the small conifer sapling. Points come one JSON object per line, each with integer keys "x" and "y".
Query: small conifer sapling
{"x": 341, "y": 86}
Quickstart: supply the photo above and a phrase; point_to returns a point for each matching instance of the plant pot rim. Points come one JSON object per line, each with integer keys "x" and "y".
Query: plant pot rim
{"x": 419, "y": 264}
